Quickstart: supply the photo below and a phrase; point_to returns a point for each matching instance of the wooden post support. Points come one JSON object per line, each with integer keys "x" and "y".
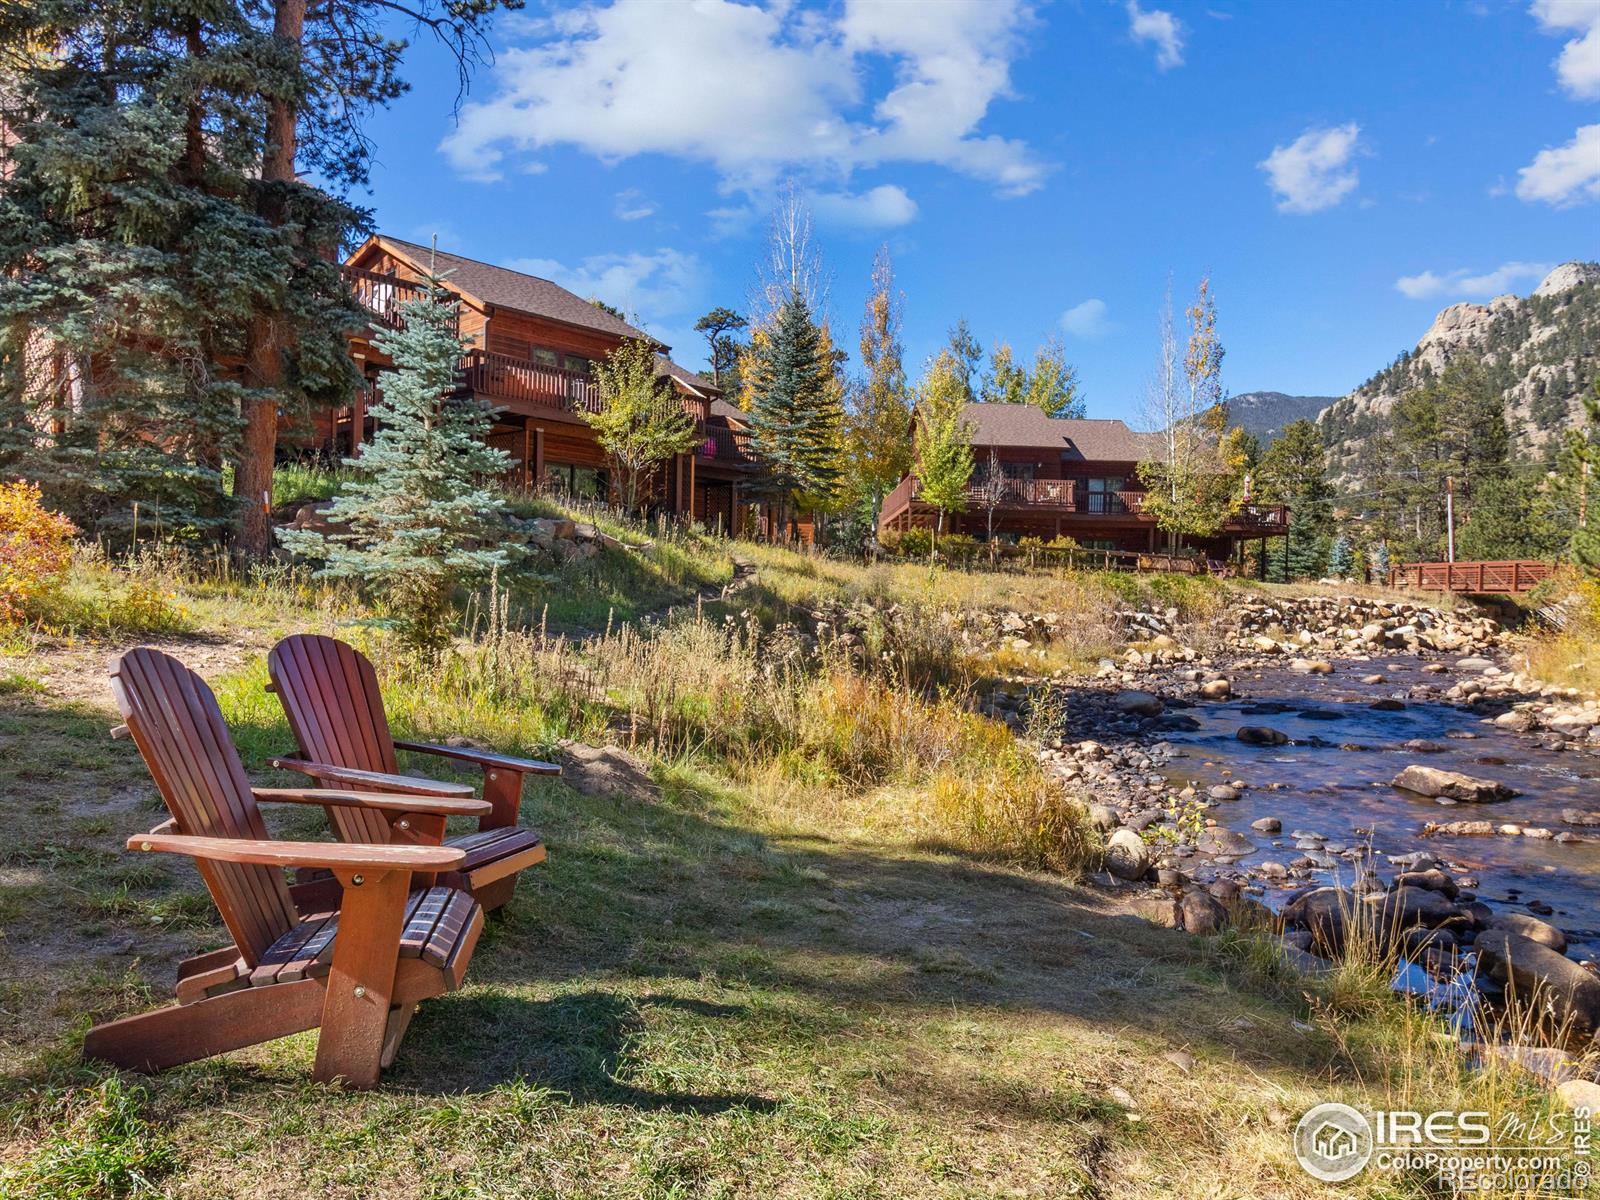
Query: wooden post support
{"x": 355, "y": 1012}
{"x": 527, "y": 458}
{"x": 538, "y": 457}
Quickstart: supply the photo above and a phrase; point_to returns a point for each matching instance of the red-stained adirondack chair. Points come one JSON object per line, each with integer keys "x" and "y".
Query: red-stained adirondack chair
{"x": 329, "y": 691}
{"x": 356, "y": 968}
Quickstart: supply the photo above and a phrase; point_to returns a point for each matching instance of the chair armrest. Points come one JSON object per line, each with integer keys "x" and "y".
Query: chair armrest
{"x": 374, "y": 780}
{"x": 389, "y": 856}
{"x": 484, "y": 758}
{"x": 442, "y": 806}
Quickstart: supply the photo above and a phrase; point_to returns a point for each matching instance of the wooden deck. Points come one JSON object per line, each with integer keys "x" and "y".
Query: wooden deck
{"x": 1505, "y": 578}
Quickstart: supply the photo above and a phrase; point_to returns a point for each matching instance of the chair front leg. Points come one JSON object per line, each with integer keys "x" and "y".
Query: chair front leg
{"x": 366, "y": 950}
{"x": 503, "y": 789}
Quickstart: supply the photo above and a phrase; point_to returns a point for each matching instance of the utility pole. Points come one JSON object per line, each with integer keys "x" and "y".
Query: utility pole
{"x": 1450, "y": 517}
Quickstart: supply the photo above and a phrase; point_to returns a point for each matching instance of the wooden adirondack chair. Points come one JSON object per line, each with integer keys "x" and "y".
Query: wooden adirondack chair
{"x": 357, "y": 969}
{"x": 330, "y": 693}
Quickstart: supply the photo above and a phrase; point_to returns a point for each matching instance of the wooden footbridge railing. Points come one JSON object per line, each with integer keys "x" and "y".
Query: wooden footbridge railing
{"x": 1503, "y": 578}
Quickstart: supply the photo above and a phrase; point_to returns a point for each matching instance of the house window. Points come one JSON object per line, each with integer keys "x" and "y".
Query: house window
{"x": 546, "y": 358}
{"x": 581, "y": 483}
{"x": 1098, "y": 543}
{"x": 577, "y": 364}
{"x": 1103, "y": 496}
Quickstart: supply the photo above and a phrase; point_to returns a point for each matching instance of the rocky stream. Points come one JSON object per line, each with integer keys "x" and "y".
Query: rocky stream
{"x": 1332, "y": 765}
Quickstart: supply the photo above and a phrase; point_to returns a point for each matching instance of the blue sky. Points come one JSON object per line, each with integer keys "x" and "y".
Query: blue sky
{"x": 1342, "y": 170}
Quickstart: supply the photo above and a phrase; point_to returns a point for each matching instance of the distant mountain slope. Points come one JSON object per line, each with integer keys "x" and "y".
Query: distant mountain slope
{"x": 1541, "y": 352}
{"x": 1266, "y": 413}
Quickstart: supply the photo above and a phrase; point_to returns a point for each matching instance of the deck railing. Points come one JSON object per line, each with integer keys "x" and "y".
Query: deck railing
{"x": 726, "y": 445}
{"x": 501, "y": 377}
{"x": 382, "y": 295}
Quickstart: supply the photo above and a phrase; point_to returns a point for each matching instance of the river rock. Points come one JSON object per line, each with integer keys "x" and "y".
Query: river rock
{"x": 1139, "y": 704}
{"x": 1223, "y": 791}
{"x": 1311, "y": 666}
{"x": 1458, "y": 829}
{"x": 1538, "y": 975}
{"x": 1430, "y": 781}
{"x": 1127, "y": 855}
{"x": 1261, "y": 735}
{"x": 1406, "y": 907}
{"x": 1579, "y": 1093}
{"x": 1531, "y": 928}
{"x": 1387, "y": 704}
{"x": 1216, "y": 689}
{"x": 1434, "y": 880}
{"x": 1267, "y": 825}
{"x": 1324, "y": 911}
{"x": 1198, "y": 911}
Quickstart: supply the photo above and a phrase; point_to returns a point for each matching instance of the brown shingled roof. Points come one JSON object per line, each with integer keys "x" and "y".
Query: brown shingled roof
{"x": 506, "y": 288}
{"x": 1023, "y": 425}
{"x": 698, "y": 384}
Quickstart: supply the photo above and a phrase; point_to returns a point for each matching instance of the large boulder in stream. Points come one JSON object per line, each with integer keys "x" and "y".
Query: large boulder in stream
{"x": 1451, "y": 785}
{"x": 1531, "y": 928}
{"x": 1127, "y": 855}
{"x": 1535, "y": 975}
{"x": 1261, "y": 735}
{"x": 1139, "y": 704}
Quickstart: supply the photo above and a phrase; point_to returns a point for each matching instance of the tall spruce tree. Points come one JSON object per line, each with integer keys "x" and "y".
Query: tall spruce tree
{"x": 421, "y": 518}
{"x": 1294, "y": 471}
{"x": 795, "y": 418}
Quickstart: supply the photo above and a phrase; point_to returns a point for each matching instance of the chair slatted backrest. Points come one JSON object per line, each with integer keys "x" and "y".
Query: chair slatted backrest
{"x": 330, "y": 693}
{"x": 175, "y": 722}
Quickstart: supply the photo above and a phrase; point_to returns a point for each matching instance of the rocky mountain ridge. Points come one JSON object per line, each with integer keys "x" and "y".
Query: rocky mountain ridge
{"x": 1264, "y": 414}
{"x": 1541, "y": 352}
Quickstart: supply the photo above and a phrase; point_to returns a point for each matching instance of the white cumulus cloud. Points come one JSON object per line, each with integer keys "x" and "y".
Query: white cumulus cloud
{"x": 1563, "y": 175}
{"x": 1086, "y": 320}
{"x": 1314, "y": 171}
{"x": 646, "y": 286}
{"x": 1578, "y": 65}
{"x": 1161, "y": 29}
{"x": 759, "y": 92}
{"x": 1465, "y": 282}
{"x": 882, "y": 207}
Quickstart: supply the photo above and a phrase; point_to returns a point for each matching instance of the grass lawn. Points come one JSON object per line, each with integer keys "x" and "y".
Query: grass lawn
{"x": 717, "y": 990}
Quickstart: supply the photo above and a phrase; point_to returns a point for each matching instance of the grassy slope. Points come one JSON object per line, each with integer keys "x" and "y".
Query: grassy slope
{"x": 714, "y": 993}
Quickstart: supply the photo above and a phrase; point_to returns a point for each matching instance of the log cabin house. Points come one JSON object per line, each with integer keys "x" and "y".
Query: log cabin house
{"x": 532, "y": 348}
{"x": 1068, "y": 478}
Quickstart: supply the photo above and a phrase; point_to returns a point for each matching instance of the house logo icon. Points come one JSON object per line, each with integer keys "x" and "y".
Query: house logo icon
{"x": 1333, "y": 1142}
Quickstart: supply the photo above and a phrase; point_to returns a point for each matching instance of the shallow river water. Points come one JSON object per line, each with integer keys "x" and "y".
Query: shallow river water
{"x": 1337, "y": 774}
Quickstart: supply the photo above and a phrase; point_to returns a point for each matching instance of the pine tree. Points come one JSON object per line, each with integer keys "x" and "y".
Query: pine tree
{"x": 1380, "y": 561}
{"x": 795, "y": 420}
{"x": 1582, "y": 470}
{"x": 1341, "y": 559}
{"x": 720, "y": 326}
{"x": 943, "y": 438}
{"x": 965, "y": 355}
{"x": 641, "y": 423}
{"x": 421, "y": 520}
{"x": 1294, "y": 471}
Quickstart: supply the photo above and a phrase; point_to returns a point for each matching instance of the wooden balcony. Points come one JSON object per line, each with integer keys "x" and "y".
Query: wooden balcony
{"x": 519, "y": 383}
{"x": 382, "y": 295}
{"x": 726, "y": 446}
{"x": 1054, "y": 494}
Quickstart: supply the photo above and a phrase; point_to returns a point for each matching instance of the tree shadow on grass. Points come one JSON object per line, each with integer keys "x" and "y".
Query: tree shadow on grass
{"x": 577, "y": 1043}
